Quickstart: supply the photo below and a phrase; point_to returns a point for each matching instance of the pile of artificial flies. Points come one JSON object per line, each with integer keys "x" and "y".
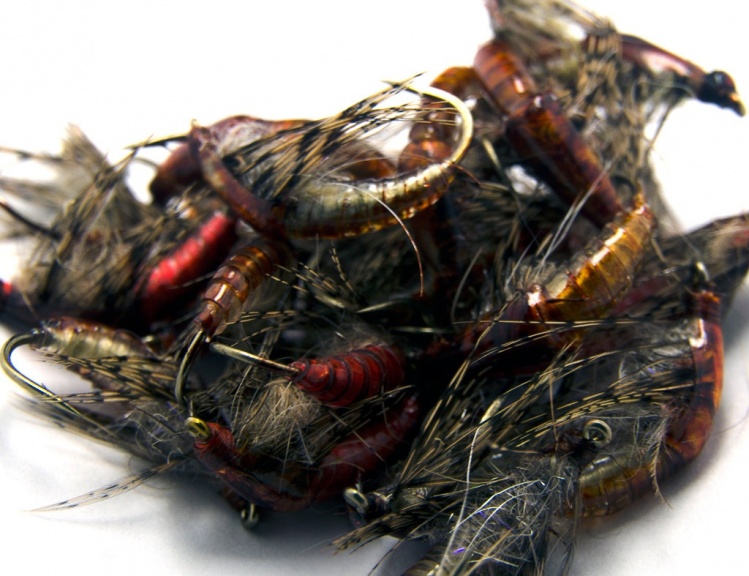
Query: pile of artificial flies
{"x": 477, "y": 340}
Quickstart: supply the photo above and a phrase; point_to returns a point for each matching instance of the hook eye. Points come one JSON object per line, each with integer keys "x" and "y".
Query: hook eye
{"x": 597, "y": 432}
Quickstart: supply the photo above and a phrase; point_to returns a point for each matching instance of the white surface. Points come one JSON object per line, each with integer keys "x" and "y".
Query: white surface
{"x": 126, "y": 71}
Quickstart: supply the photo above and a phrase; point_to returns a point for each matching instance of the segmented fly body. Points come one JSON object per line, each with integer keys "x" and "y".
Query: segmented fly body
{"x": 129, "y": 403}
{"x": 344, "y": 379}
{"x": 288, "y": 486}
{"x": 280, "y": 195}
{"x": 609, "y": 484}
{"x": 197, "y": 255}
{"x": 542, "y": 137}
{"x": 71, "y": 337}
{"x": 340, "y": 379}
{"x": 246, "y": 281}
{"x": 556, "y": 300}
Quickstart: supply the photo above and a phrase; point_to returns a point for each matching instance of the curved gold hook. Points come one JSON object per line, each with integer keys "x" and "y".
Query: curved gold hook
{"x": 184, "y": 366}
{"x": 466, "y": 119}
{"x": 36, "y": 337}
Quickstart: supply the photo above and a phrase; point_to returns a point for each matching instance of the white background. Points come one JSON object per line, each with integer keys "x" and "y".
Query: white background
{"x": 125, "y": 71}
